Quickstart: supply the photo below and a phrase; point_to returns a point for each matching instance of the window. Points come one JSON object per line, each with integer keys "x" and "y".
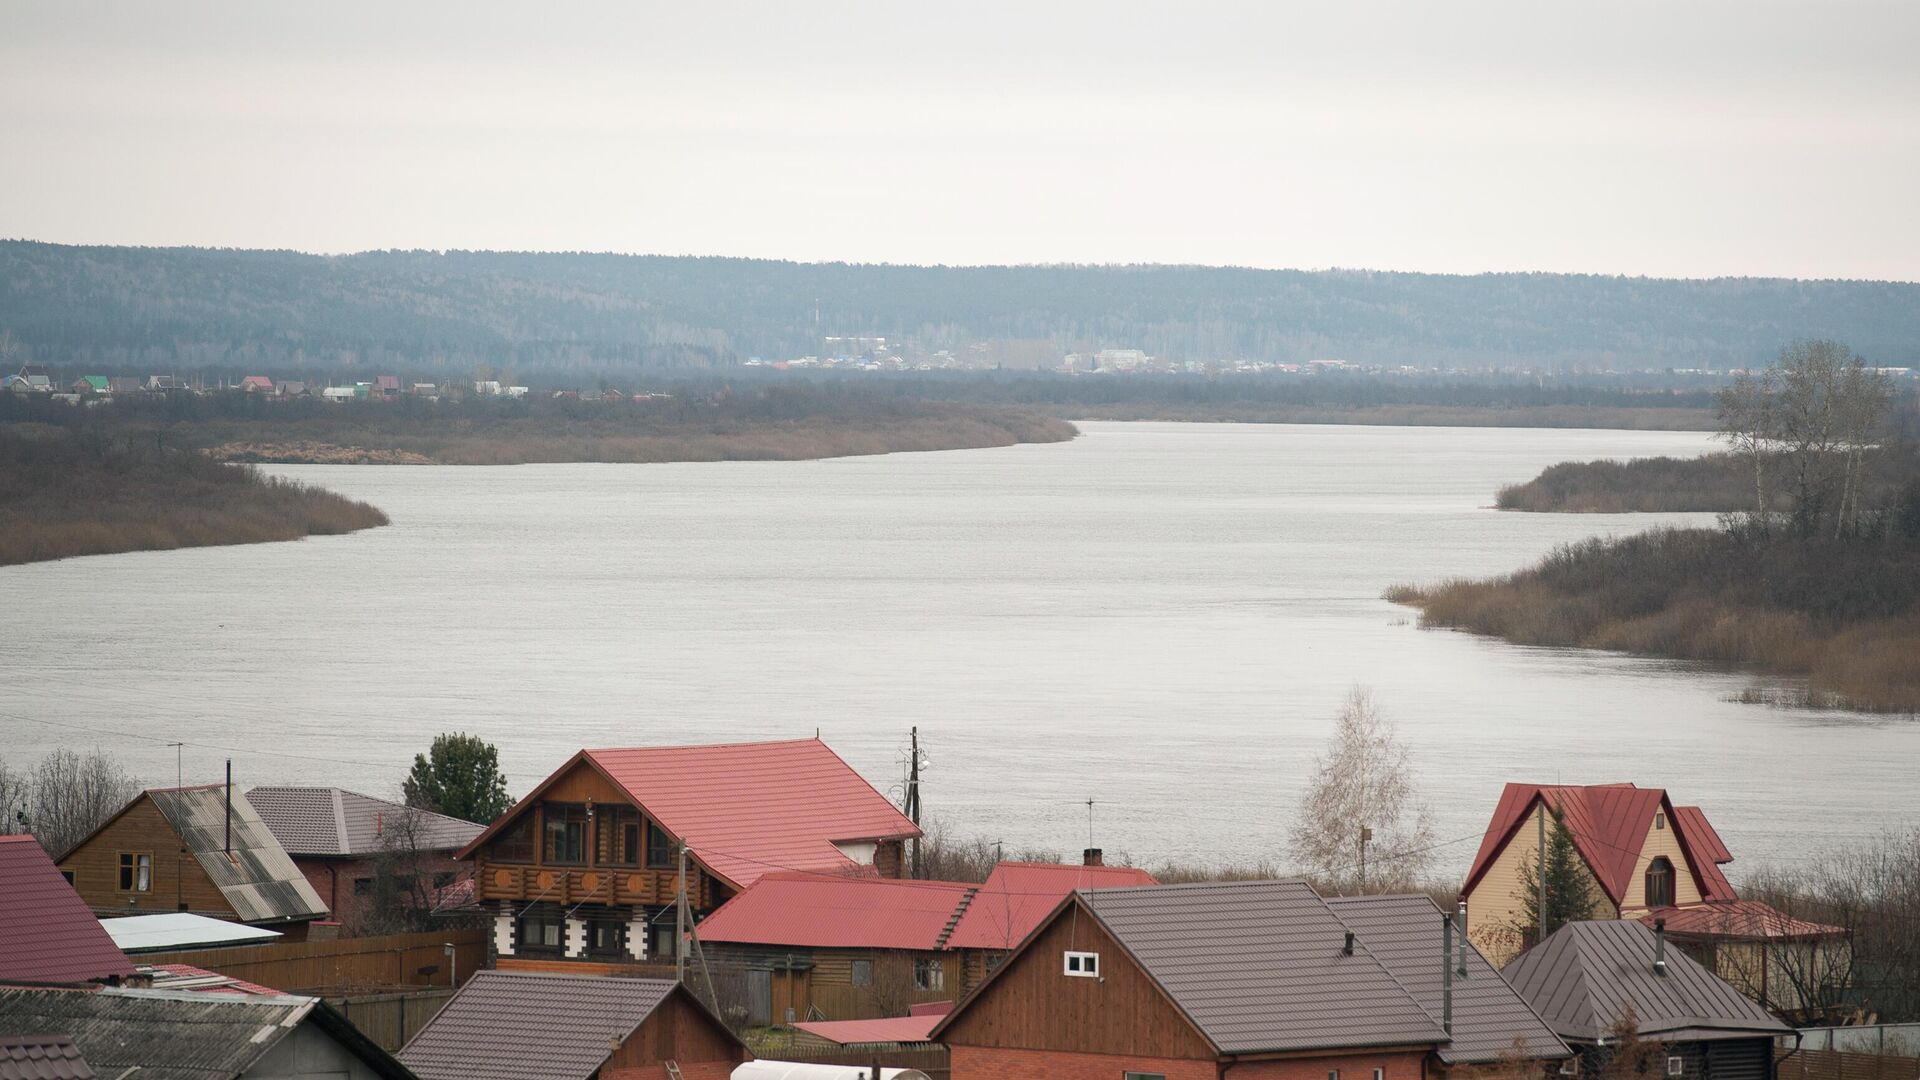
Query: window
{"x": 541, "y": 933}
{"x": 1084, "y": 965}
{"x": 136, "y": 872}
{"x": 363, "y": 886}
{"x": 1333, "y": 1074}
{"x": 660, "y": 941}
{"x": 1379, "y": 1074}
{"x": 660, "y": 849}
{"x": 566, "y": 833}
{"x": 515, "y": 842}
{"x": 619, "y": 840}
{"x": 607, "y": 937}
{"x": 1660, "y": 883}
{"x": 1659, "y": 819}
{"x": 1676, "y": 1066}
{"x": 1143, "y": 1076}
{"x": 928, "y": 975}
{"x": 68, "y": 874}
{"x": 862, "y": 973}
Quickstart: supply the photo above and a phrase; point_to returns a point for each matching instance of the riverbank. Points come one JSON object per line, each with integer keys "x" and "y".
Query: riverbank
{"x": 1712, "y": 483}
{"x": 1624, "y": 418}
{"x": 1841, "y": 616}
{"x": 63, "y": 496}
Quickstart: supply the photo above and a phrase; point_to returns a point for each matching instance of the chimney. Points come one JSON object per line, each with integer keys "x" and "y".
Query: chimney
{"x": 1446, "y": 968}
{"x": 1659, "y": 946}
{"x": 1460, "y": 918}
{"x": 1347, "y": 949}
{"x": 1092, "y": 857}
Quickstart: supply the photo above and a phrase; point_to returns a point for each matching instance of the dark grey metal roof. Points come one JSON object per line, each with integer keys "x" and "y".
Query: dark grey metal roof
{"x": 333, "y": 821}
{"x": 1258, "y": 966}
{"x": 177, "y": 1035}
{"x": 1405, "y": 933}
{"x": 1583, "y": 976}
{"x": 510, "y": 1025}
{"x": 259, "y": 879}
{"x": 41, "y": 1057}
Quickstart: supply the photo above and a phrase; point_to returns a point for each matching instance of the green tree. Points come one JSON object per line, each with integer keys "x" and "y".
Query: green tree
{"x": 1570, "y": 896}
{"x": 459, "y": 776}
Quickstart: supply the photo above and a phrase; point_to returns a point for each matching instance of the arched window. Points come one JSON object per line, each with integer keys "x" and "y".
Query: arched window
{"x": 1660, "y": 883}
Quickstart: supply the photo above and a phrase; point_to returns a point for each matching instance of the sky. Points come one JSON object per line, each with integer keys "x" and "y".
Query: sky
{"x": 1691, "y": 139}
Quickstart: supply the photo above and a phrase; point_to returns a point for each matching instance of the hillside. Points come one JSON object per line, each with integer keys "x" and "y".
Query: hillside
{"x": 422, "y": 311}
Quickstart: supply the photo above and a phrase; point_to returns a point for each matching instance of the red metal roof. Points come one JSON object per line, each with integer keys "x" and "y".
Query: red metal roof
{"x": 1018, "y": 896}
{"x": 838, "y": 912}
{"x": 200, "y": 980}
{"x": 47, "y": 934}
{"x": 891, "y": 1029}
{"x": 1609, "y": 825}
{"x": 1746, "y": 919}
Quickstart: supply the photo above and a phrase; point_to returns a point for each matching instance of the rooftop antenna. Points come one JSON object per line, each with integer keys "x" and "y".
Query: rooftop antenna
{"x": 229, "y": 840}
{"x": 1089, "y": 822}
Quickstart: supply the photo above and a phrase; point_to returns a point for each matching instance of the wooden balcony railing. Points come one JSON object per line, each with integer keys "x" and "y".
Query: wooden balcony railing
{"x": 613, "y": 885}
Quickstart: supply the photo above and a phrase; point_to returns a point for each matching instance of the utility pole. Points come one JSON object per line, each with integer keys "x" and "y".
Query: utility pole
{"x": 913, "y": 796}
{"x": 1542, "y": 873}
{"x": 1366, "y": 834}
{"x": 179, "y": 849}
{"x": 680, "y": 923}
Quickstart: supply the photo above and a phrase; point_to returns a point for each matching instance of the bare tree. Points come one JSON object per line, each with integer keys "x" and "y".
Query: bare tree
{"x": 74, "y": 795}
{"x": 1745, "y": 411}
{"x": 1624, "y": 1055}
{"x": 404, "y": 873}
{"x": 1361, "y": 823}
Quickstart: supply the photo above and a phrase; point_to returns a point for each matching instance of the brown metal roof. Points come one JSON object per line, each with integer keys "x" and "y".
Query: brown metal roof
{"x": 1582, "y": 977}
{"x": 1405, "y": 933}
{"x": 1258, "y": 966}
{"x": 41, "y": 1057}
{"x": 511, "y": 1025}
{"x": 328, "y": 821}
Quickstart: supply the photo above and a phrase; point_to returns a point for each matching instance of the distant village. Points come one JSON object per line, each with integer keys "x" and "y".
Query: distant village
{"x": 762, "y": 910}
{"x": 92, "y": 390}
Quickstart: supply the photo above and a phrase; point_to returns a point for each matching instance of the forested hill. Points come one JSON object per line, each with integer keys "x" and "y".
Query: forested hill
{"x": 117, "y": 307}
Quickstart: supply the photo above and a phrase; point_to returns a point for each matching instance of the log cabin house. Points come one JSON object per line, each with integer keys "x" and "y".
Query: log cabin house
{"x": 1649, "y": 860}
{"x": 1262, "y": 979}
{"x": 582, "y": 874}
{"x": 196, "y": 849}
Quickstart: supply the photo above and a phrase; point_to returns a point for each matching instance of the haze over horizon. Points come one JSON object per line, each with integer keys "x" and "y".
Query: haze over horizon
{"x": 1716, "y": 139}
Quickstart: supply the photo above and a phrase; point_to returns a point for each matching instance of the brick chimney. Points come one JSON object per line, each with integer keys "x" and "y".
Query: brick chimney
{"x": 1092, "y": 857}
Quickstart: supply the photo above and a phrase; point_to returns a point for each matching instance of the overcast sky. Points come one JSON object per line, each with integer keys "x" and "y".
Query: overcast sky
{"x": 1683, "y": 138}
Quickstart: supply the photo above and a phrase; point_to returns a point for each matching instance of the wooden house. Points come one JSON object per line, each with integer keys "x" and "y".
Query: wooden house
{"x": 1647, "y": 859}
{"x": 1262, "y": 979}
{"x": 195, "y": 849}
{"x": 1587, "y": 977}
{"x": 582, "y": 873}
{"x": 573, "y": 1027}
{"x": 256, "y": 384}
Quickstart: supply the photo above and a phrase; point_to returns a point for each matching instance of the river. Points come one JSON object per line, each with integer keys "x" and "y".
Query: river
{"x": 1162, "y": 618}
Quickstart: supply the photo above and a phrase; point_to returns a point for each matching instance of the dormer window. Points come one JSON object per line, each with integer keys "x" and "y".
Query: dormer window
{"x": 1083, "y": 965}
{"x": 1660, "y": 883}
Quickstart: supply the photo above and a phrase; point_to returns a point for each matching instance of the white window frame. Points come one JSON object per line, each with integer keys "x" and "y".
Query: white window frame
{"x": 1080, "y": 965}
{"x": 1143, "y": 1076}
{"x": 1676, "y": 1065}
{"x": 929, "y": 974}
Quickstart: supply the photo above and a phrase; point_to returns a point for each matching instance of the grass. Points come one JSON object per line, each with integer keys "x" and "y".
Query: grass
{"x": 1842, "y": 615}
{"x": 64, "y": 495}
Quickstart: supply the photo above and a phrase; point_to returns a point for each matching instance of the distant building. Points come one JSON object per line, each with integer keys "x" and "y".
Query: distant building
{"x": 90, "y": 384}
{"x": 256, "y": 384}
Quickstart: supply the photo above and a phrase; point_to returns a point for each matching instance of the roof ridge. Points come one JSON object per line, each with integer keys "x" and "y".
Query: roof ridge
{"x": 340, "y": 838}
{"x": 707, "y": 746}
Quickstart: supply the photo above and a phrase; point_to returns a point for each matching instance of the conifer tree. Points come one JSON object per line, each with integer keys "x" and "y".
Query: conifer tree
{"x": 1570, "y": 895}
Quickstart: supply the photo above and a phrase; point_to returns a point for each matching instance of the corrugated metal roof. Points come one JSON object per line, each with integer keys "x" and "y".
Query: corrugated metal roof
{"x": 1609, "y": 825}
{"x": 892, "y": 1029}
{"x": 1583, "y": 976}
{"x": 330, "y": 821}
{"x": 47, "y": 933}
{"x": 1258, "y": 966}
{"x": 1744, "y": 919}
{"x": 822, "y": 911}
{"x": 514, "y": 1025}
{"x": 180, "y": 930}
{"x": 258, "y": 877}
{"x": 167, "y": 1036}
{"x": 201, "y": 981}
{"x": 1018, "y": 896}
{"x": 1405, "y": 933}
{"x": 41, "y": 1057}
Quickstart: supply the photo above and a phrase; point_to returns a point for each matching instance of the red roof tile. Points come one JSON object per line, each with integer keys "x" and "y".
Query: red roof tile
{"x": 1747, "y": 919}
{"x": 838, "y": 912}
{"x": 1018, "y": 896}
{"x": 891, "y": 1029}
{"x": 1609, "y": 824}
{"x": 47, "y": 934}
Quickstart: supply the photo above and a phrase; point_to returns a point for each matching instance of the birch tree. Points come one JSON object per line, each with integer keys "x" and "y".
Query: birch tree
{"x": 1361, "y": 823}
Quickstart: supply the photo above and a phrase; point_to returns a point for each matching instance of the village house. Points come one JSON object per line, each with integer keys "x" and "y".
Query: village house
{"x": 90, "y": 385}
{"x": 194, "y": 849}
{"x": 1247, "y": 979}
{"x": 256, "y": 384}
{"x": 831, "y": 947}
{"x": 36, "y": 379}
{"x": 1646, "y": 859}
{"x": 164, "y": 383}
{"x": 1588, "y": 976}
{"x": 571, "y": 1027}
{"x": 123, "y": 384}
{"x": 581, "y": 874}
{"x": 292, "y": 388}
{"x": 117, "y": 1033}
{"x": 341, "y": 840}
{"x": 47, "y": 934}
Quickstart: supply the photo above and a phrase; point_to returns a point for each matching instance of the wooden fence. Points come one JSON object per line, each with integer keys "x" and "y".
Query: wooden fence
{"x": 345, "y": 966}
{"x": 392, "y": 1019}
{"x": 1842, "y": 1065}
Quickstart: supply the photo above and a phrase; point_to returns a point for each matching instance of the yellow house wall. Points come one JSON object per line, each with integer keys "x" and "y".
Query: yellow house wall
{"x": 1496, "y": 910}
{"x": 1659, "y": 842}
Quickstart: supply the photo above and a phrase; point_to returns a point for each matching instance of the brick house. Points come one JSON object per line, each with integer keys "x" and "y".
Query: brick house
{"x": 1248, "y": 979}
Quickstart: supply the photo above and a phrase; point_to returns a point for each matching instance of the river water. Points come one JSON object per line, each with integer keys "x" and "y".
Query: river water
{"x": 1162, "y": 618}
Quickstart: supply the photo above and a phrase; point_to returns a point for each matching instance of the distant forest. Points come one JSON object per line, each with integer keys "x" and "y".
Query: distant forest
{"x": 158, "y": 308}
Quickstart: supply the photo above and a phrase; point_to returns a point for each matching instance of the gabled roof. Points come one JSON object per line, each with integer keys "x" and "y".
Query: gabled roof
{"x": 891, "y": 1029}
{"x": 1255, "y": 966}
{"x": 256, "y": 875}
{"x": 510, "y": 1025}
{"x": 172, "y": 930}
{"x": 1581, "y": 978}
{"x": 47, "y": 933}
{"x": 823, "y": 911}
{"x": 1745, "y": 920}
{"x": 744, "y": 809}
{"x": 41, "y": 1057}
{"x": 1018, "y": 896}
{"x": 1405, "y": 933}
{"x": 1609, "y": 825}
{"x": 328, "y": 821}
{"x": 165, "y": 1035}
